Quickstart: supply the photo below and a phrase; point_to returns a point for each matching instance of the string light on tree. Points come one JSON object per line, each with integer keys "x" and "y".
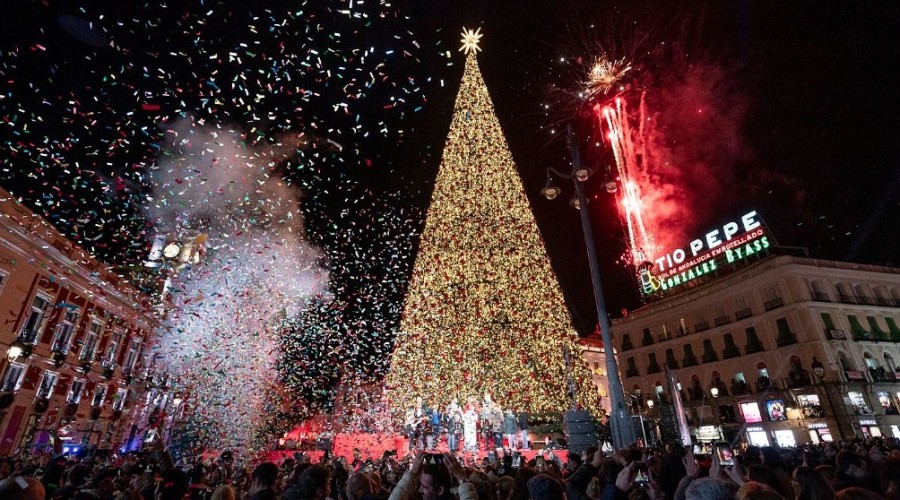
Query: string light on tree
{"x": 484, "y": 312}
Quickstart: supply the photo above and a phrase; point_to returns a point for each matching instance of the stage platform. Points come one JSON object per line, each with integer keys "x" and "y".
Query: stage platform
{"x": 374, "y": 445}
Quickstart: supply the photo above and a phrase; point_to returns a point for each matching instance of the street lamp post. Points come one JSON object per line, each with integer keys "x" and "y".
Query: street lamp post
{"x": 819, "y": 371}
{"x": 620, "y": 425}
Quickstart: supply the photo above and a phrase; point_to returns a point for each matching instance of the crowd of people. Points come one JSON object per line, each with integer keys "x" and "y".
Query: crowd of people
{"x": 859, "y": 470}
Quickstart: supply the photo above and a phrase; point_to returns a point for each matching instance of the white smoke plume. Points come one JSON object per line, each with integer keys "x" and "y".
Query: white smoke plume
{"x": 257, "y": 271}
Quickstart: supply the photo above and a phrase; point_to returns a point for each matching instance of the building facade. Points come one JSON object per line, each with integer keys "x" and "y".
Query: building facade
{"x": 593, "y": 354}
{"x": 783, "y": 352}
{"x": 73, "y": 335}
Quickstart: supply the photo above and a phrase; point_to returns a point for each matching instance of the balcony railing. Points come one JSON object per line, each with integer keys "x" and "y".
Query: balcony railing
{"x": 773, "y": 304}
{"x": 881, "y": 375}
{"x": 631, "y": 372}
{"x": 696, "y": 393}
{"x": 861, "y": 335}
{"x": 884, "y": 301}
{"x": 739, "y": 388}
{"x": 821, "y": 297}
{"x": 709, "y": 357}
{"x": 647, "y": 340}
{"x": 865, "y": 300}
{"x": 701, "y": 326}
{"x": 786, "y": 339}
{"x": 743, "y": 313}
{"x": 626, "y": 345}
{"x": 60, "y": 347}
{"x": 29, "y": 336}
{"x": 800, "y": 379}
{"x": 653, "y": 368}
{"x": 689, "y": 361}
{"x": 836, "y": 334}
{"x": 722, "y": 320}
{"x": 681, "y": 332}
{"x": 846, "y": 299}
{"x": 731, "y": 352}
{"x": 765, "y": 384}
{"x": 753, "y": 347}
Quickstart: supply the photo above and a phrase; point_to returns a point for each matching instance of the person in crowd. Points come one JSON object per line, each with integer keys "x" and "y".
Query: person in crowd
{"x": 360, "y": 486}
{"x": 222, "y": 492}
{"x": 810, "y": 485}
{"x": 264, "y": 477}
{"x": 751, "y": 490}
{"x": 314, "y": 483}
{"x": 890, "y": 477}
{"x": 773, "y": 461}
{"x": 505, "y": 486}
{"x": 851, "y": 470}
{"x": 857, "y": 493}
{"x": 21, "y": 488}
{"x": 707, "y": 488}
{"x": 545, "y": 487}
{"x": 172, "y": 485}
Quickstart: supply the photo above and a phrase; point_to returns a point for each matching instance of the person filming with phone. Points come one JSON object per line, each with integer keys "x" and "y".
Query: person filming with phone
{"x": 433, "y": 476}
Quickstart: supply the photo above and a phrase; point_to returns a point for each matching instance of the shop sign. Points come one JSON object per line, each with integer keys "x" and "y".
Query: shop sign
{"x": 708, "y": 433}
{"x": 852, "y": 375}
{"x": 867, "y": 422}
{"x": 816, "y": 425}
{"x": 750, "y": 411}
{"x": 734, "y": 241}
{"x": 754, "y": 428}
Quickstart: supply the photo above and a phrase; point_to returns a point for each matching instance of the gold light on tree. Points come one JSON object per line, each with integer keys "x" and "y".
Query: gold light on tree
{"x": 484, "y": 311}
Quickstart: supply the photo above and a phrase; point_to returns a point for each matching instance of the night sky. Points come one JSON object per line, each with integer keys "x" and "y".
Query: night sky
{"x": 789, "y": 109}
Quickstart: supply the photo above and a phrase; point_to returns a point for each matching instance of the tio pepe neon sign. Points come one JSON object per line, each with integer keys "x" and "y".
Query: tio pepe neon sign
{"x": 734, "y": 241}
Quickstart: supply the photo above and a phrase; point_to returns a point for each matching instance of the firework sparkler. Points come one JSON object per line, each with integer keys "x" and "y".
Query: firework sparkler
{"x": 604, "y": 75}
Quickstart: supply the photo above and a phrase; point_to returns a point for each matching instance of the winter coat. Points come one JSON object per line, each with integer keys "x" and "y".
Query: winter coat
{"x": 509, "y": 424}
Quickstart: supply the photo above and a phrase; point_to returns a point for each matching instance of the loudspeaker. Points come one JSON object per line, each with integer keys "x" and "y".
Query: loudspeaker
{"x": 580, "y": 429}
{"x": 556, "y": 444}
{"x": 323, "y": 444}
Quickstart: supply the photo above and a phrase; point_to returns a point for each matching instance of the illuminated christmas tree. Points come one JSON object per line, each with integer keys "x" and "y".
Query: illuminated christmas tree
{"x": 484, "y": 311}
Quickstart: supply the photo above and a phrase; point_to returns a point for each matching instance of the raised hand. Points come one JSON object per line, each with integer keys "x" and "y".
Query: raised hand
{"x": 625, "y": 478}
{"x": 690, "y": 464}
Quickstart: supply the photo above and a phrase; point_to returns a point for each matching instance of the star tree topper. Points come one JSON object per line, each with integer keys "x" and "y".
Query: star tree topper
{"x": 470, "y": 40}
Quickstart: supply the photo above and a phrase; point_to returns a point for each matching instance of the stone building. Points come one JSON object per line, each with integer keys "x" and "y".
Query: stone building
{"x": 783, "y": 351}
{"x": 73, "y": 335}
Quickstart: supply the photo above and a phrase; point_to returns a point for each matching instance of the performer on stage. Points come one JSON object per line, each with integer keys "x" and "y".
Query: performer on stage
{"x": 487, "y": 420}
{"x": 497, "y": 426}
{"x": 454, "y": 425}
{"x": 434, "y": 421}
{"x": 470, "y": 423}
{"x": 509, "y": 428}
{"x": 421, "y": 416}
{"x": 523, "y": 427}
{"x": 410, "y": 424}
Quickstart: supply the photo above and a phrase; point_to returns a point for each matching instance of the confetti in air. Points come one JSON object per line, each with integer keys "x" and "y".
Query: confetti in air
{"x": 257, "y": 271}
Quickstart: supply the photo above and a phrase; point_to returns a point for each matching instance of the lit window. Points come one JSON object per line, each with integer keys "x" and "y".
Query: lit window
{"x": 12, "y": 379}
